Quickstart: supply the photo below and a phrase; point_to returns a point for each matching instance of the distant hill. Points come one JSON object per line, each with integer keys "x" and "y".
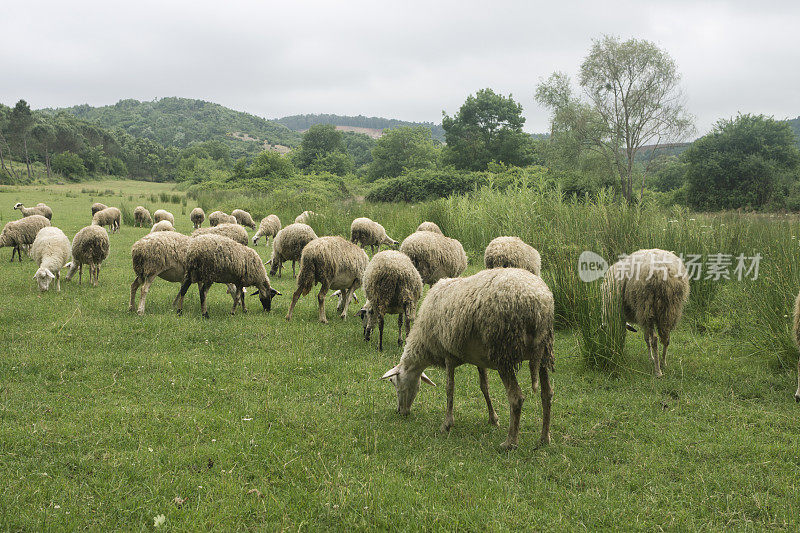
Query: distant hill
{"x": 348, "y": 123}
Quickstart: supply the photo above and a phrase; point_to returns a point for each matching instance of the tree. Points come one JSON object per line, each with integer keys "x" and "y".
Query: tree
{"x": 740, "y": 162}
{"x": 488, "y": 127}
{"x": 69, "y": 165}
{"x": 632, "y": 100}
{"x": 21, "y": 121}
{"x": 401, "y": 149}
{"x": 319, "y": 142}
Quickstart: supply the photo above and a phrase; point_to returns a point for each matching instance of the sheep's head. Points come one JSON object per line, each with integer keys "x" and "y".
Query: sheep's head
{"x": 368, "y": 317}
{"x": 266, "y": 294}
{"x": 391, "y": 242}
{"x": 43, "y": 277}
{"x": 406, "y": 383}
{"x": 18, "y": 205}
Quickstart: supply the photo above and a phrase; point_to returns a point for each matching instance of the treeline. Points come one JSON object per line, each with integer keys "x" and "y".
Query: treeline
{"x": 303, "y": 122}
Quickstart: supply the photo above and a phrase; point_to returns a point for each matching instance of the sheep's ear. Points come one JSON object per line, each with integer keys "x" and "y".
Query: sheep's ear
{"x": 361, "y": 313}
{"x": 391, "y": 373}
{"x": 275, "y": 292}
{"x": 427, "y": 380}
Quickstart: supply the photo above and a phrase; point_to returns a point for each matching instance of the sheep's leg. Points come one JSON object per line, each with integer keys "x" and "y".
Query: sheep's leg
{"x": 236, "y": 300}
{"x": 178, "y": 303}
{"x": 241, "y": 299}
{"x": 450, "y": 368}
{"x": 134, "y": 287}
{"x": 483, "y": 381}
{"x": 143, "y": 296}
{"x": 400, "y": 329}
{"x": 204, "y": 288}
{"x": 547, "y": 400}
{"x": 652, "y": 346}
{"x": 797, "y": 394}
{"x": 293, "y": 272}
{"x": 380, "y": 333}
{"x": 80, "y": 274}
{"x": 321, "y": 299}
{"x": 346, "y": 299}
{"x": 664, "y": 334}
{"x": 295, "y": 297}
{"x": 58, "y": 281}
{"x": 515, "y": 400}
{"x": 16, "y": 250}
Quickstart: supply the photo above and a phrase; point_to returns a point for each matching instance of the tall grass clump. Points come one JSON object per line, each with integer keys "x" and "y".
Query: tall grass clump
{"x": 127, "y": 215}
{"x": 601, "y": 321}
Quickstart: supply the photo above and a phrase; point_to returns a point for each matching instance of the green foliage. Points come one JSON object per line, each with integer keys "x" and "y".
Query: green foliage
{"x": 304, "y": 122}
{"x": 669, "y": 174}
{"x": 740, "y": 162}
{"x": 69, "y": 165}
{"x": 271, "y": 166}
{"x": 400, "y": 150}
{"x": 359, "y": 147}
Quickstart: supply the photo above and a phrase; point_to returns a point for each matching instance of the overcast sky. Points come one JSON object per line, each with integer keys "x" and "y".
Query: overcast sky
{"x": 407, "y": 60}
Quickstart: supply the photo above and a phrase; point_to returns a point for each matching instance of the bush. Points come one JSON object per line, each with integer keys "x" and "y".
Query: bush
{"x": 69, "y": 165}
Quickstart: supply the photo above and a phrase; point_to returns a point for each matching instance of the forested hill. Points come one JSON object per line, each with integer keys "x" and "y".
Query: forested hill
{"x": 303, "y": 122}
{"x": 179, "y": 122}
{"x": 795, "y": 124}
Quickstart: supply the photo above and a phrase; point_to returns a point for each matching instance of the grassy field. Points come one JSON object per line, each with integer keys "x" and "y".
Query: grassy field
{"x": 109, "y": 420}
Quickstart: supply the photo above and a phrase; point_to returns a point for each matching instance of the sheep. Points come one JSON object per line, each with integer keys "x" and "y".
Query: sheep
{"x": 50, "y": 250}
{"x": 89, "y": 247}
{"x": 232, "y": 231}
{"x": 110, "y": 216}
{"x": 161, "y": 254}
{"x": 217, "y": 259}
{"x": 305, "y": 217}
{"x": 435, "y": 256}
{"x": 97, "y": 206}
{"x": 429, "y": 226}
{"x": 392, "y": 286}
{"x": 219, "y": 217}
{"x": 505, "y": 252}
{"x": 367, "y": 232}
{"x": 288, "y": 246}
{"x": 652, "y": 287}
{"x": 334, "y": 263}
{"x": 197, "y": 216}
{"x": 269, "y": 227}
{"x": 40, "y": 209}
{"x": 797, "y": 340}
{"x": 495, "y": 319}
{"x": 163, "y": 225}
{"x": 243, "y": 218}
{"x": 21, "y": 233}
{"x": 141, "y": 217}
{"x": 163, "y": 214}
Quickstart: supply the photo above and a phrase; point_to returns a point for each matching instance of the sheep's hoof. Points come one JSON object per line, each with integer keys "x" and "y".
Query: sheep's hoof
{"x": 508, "y": 446}
{"x": 140, "y": 312}
{"x": 544, "y": 441}
{"x": 447, "y": 425}
{"x": 205, "y": 315}
{"x": 659, "y": 374}
{"x": 797, "y": 398}
{"x": 178, "y": 312}
{"x": 323, "y": 320}
{"x": 494, "y": 420}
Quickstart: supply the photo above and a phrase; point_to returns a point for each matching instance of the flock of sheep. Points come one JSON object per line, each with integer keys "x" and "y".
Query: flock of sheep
{"x": 495, "y": 319}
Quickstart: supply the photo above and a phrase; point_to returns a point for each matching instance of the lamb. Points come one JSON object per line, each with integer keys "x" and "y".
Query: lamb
{"x": 110, "y": 216}
{"x": 197, "y": 216}
{"x": 97, "y": 206}
{"x": 797, "y": 340}
{"x": 288, "y": 246}
{"x": 219, "y": 217}
{"x": 163, "y": 225}
{"x": 652, "y": 287}
{"x": 429, "y": 226}
{"x": 495, "y": 319}
{"x": 51, "y": 251}
{"x": 39, "y": 209}
{"x": 232, "y": 231}
{"x": 505, "y": 252}
{"x": 141, "y": 217}
{"x": 243, "y": 218}
{"x": 269, "y": 227}
{"x": 217, "y": 259}
{"x": 163, "y": 214}
{"x": 435, "y": 256}
{"x": 21, "y": 233}
{"x": 392, "y": 286}
{"x": 367, "y": 232}
{"x": 334, "y": 263}
{"x": 89, "y": 247}
{"x": 305, "y": 217}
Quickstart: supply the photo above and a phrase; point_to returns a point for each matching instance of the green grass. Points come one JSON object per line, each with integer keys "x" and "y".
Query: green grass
{"x": 106, "y": 417}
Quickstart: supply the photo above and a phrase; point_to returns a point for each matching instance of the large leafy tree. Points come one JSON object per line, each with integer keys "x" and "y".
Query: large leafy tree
{"x": 323, "y": 150}
{"x": 740, "y": 162}
{"x": 21, "y": 123}
{"x": 488, "y": 127}
{"x": 400, "y": 149}
{"x": 631, "y": 98}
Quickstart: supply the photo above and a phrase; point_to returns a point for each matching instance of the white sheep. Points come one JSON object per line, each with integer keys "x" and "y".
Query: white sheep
{"x": 89, "y": 247}
{"x": 97, "y": 206}
{"x": 505, "y": 252}
{"x": 141, "y": 217}
{"x": 288, "y": 246}
{"x": 197, "y": 216}
{"x": 334, "y": 263}
{"x": 162, "y": 225}
{"x": 429, "y": 226}
{"x": 305, "y": 217}
{"x": 110, "y": 216}
{"x": 495, "y": 319}
{"x": 243, "y": 218}
{"x": 40, "y": 209}
{"x": 434, "y": 255}
{"x": 232, "y": 231}
{"x": 392, "y": 286}
{"x": 367, "y": 232}
{"x": 269, "y": 227}
{"x": 21, "y": 233}
{"x": 220, "y": 217}
{"x": 163, "y": 214}
{"x": 50, "y": 250}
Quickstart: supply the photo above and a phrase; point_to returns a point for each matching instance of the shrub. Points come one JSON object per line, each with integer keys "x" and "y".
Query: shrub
{"x": 69, "y": 165}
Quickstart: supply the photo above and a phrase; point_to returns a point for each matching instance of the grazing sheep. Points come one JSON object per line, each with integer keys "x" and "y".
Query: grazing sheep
{"x": 163, "y": 214}
{"x": 217, "y": 259}
{"x": 231, "y": 231}
{"x": 288, "y": 246}
{"x": 435, "y": 255}
{"x": 429, "y": 226}
{"x": 495, "y": 319}
{"x": 304, "y": 217}
{"x": 652, "y": 286}
{"x": 219, "y": 217}
{"x": 110, "y": 216}
{"x": 97, "y": 206}
{"x": 89, "y": 247}
{"x": 197, "y": 216}
{"x": 393, "y": 286}
{"x": 269, "y": 227}
{"x": 243, "y": 218}
{"x": 21, "y": 233}
{"x": 161, "y": 254}
{"x": 141, "y": 217}
{"x": 334, "y": 263}
{"x": 505, "y": 252}
{"x": 50, "y": 250}
{"x": 40, "y": 209}
{"x": 163, "y": 225}
{"x": 367, "y": 232}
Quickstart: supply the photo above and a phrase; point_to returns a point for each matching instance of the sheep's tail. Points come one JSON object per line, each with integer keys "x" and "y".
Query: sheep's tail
{"x": 307, "y": 276}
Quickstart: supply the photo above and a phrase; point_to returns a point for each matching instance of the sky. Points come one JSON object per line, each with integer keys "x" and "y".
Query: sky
{"x": 408, "y": 60}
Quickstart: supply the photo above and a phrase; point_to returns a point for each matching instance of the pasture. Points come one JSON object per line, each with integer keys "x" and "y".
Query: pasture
{"x": 109, "y": 420}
